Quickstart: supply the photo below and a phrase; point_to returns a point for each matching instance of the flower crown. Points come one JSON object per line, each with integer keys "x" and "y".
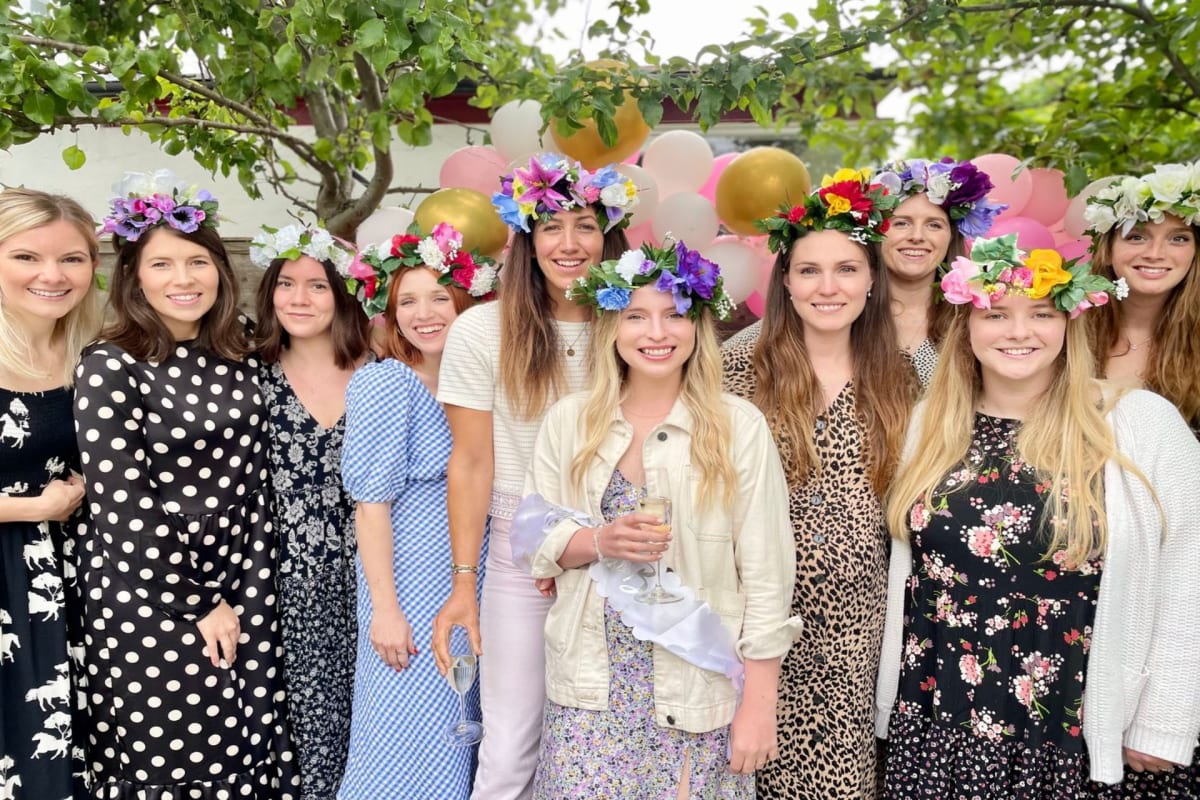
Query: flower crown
{"x": 959, "y": 187}
{"x": 996, "y": 269}
{"x": 551, "y": 183}
{"x": 145, "y": 200}
{"x": 693, "y": 281}
{"x": 293, "y": 241}
{"x": 1170, "y": 189}
{"x": 441, "y": 251}
{"x": 849, "y": 200}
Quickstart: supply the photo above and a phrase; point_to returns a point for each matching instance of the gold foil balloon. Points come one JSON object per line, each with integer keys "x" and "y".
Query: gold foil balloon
{"x": 585, "y": 144}
{"x": 470, "y": 212}
{"x": 756, "y": 184}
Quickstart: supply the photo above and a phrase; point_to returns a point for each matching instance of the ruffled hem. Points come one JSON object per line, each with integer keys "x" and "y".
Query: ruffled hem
{"x": 276, "y": 778}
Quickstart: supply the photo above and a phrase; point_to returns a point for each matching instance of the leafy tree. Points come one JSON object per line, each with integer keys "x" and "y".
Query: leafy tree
{"x": 1091, "y": 86}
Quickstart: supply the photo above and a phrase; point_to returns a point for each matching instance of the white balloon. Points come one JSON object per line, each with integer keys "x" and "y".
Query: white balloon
{"x": 739, "y": 267}
{"x": 687, "y": 216}
{"x": 680, "y": 161}
{"x": 647, "y": 203}
{"x": 515, "y": 129}
{"x": 382, "y": 226}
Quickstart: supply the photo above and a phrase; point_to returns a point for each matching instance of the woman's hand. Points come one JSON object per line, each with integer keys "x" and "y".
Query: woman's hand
{"x": 60, "y": 498}
{"x": 634, "y": 537}
{"x": 221, "y": 631}
{"x": 752, "y": 736}
{"x": 392, "y": 637}
{"x": 461, "y": 608}
{"x": 1142, "y": 762}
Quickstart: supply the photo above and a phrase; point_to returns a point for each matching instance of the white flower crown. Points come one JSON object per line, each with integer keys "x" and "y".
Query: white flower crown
{"x": 293, "y": 241}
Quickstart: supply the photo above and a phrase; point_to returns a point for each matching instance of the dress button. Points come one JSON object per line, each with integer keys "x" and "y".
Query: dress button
{"x": 819, "y": 425}
{"x": 670, "y": 720}
{"x": 816, "y": 499}
{"x": 662, "y": 436}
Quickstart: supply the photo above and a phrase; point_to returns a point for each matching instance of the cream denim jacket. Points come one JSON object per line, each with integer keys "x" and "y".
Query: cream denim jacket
{"x": 742, "y": 560}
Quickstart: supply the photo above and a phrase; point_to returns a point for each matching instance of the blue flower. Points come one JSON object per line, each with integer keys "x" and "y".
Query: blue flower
{"x": 605, "y": 176}
{"x": 978, "y": 221}
{"x": 510, "y": 212}
{"x": 612, "y": 298}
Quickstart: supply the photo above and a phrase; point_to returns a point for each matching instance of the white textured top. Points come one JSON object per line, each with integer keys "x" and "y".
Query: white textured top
{"x": 1140, "y": 690}
{"x": 470, "y": 378}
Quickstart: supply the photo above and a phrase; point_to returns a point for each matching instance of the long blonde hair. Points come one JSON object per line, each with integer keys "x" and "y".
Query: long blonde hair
{"x": 1064, "y": 437}
{"x": 1175, "y": 348}
{"x": 23, "y": 210}
{"x": 712, "y": 438}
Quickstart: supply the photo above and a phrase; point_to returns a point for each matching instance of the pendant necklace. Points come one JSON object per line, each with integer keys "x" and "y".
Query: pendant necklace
{"x": 1134, "y": 347}
{"x": 575, "y": 341}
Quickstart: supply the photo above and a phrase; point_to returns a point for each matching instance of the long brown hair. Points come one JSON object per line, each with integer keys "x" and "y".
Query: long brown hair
{"x": 137, "y": 328}
{"x": 531, "y": 370}
{"x": 350, "y": 331}
{"x": 1171, "y": 368}
{"x": 394, "y": 345}
{"x": 789, "y": 394}
{"x": 939, "y": 314}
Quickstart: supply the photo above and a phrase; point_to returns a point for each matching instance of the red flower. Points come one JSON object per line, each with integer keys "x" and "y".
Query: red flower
{"x": 1051, "y": 574}
{"x": 928, "y": 684}
{"x": 369, "y": 287}
{"x": 1074, "y": 730}
{"x": 796, "y": 214}
{"x": 400, "y": 240}
{"x": 883, "y": 226}
{"x": 464, "y": 276}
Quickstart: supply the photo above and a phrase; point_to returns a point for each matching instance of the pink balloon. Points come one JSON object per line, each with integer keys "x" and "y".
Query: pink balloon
{"x": 477, "y": 168}
{"x": 1049, "y": 200}
{"x": 639, "y": 235}
{"x": 633, "y": 159}
{"x": 709, "y": 189}
{"x": 756, "y": 303}
{"x": 739, "y": 265}
{"x": 1015, "y": 192}
{"x": 1076, "y": 248}
{"x": 1031, "y": 234}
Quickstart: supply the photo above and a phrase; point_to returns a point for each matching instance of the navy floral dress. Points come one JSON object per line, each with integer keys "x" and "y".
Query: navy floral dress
{"x": 996, "y": 638}
{"x": 315, "y": 519}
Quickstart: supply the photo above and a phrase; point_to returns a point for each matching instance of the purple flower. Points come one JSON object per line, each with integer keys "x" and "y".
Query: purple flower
{"x": 696, "y": 272}
{"x": 203, "y": 196}
{"x": 972, "y": 185}
{"x": 539, "y": 181}
{"x": 978, "y": 221}
{"x": 161, "y": 203}
{"x": 186, "y": 219}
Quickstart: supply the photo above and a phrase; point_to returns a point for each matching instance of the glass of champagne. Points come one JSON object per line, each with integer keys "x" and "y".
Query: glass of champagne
{"x": 461, "y": 675}
{"x": 657, "y": 507}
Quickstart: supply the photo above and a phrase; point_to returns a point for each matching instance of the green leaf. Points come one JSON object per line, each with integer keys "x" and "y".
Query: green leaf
{"x": 73, "y": 157}
{"x": 287, "y": 60}
{"x": 371, "y": 34}
{"x": 39, "y": 108}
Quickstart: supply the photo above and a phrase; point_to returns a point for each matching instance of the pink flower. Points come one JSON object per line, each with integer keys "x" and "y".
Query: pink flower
{"x": 360, "y": 270}
{"x": 968, "y": 667}
{"x": 958, "y": 287}
{"x": 982, "y": 542}
{"x": 1023, "y": 689}
{"x": 1022, "y": 277}
{"x": 918, "y": 518}
{"x": 447, "y": 238}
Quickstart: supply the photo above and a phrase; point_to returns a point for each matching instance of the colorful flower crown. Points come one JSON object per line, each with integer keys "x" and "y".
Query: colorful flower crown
{"x": 849, "y": 200}
{"x": 441, "y": 251}
{"x": 996, "y": 269}
{"x": 293, "y": 241}
{"x": 552, "y": 183}
{"x": 144, "y": 200}
{"x": 1170, "y": 189}
{"x": 693, "y": 281}
{"x": 959, "y": 187}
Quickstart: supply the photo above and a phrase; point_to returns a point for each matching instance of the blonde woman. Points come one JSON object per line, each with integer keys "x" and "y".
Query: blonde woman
{"x": 1006, "y": 601}
{"x": 48, "y": 256}
{"x": 564, "y": 218}
{"x": 656, "y": 714}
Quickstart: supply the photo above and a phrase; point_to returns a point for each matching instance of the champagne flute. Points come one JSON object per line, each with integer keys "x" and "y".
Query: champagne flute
{"x": 461, "y": 675}
{"x": 657, "y": 507}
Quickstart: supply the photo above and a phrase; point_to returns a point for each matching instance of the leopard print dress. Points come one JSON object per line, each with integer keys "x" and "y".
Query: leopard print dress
{"x": 827, "y": 683}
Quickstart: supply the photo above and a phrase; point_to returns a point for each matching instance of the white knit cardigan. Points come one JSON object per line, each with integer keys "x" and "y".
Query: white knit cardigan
{"x": 1143, "y": 675}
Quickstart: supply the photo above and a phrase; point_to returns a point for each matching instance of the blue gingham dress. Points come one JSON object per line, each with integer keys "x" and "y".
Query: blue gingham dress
{"x": 396, "y": 449}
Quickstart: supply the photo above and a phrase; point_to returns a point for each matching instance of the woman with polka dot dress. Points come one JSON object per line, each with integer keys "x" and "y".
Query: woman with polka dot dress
{"x": 183, "y": 654}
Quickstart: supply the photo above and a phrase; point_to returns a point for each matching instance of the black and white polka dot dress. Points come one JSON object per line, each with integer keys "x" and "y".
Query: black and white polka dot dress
{"x": 173, "y": 457}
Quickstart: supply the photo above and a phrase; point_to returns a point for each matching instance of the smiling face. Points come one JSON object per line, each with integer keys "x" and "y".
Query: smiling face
{"x": 828, "y": 279}
{"x": 1154, "y": 257}
{"x": 424, "y": 310}
{"x": 1017, "y": 341}
{"x": 918, "y": 239}
{"x": 45, "y": 271}
{"x": 303, "y": 298}
{"x": 565, "y": 246}
{"x": 179, "y": 279}
{"x": 653, "y": 339}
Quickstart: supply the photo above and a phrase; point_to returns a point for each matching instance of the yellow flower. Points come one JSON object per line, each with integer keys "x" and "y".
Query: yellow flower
{"x": 846, "y": 174}
{"x": 1048, "y": 272}
{"x": 837, "y": 204}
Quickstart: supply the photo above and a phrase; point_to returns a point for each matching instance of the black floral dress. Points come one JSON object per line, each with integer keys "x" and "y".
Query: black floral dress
{"x": 996, "y": 638}
{"x": 314, "y": 516}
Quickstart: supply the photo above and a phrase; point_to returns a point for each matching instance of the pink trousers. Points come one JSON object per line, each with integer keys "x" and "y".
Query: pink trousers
{"x": 512, "y": 674}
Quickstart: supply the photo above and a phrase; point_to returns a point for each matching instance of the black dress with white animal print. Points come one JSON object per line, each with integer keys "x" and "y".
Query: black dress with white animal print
{"x": 37, "y": 759}
{"x": 173, "y": 455}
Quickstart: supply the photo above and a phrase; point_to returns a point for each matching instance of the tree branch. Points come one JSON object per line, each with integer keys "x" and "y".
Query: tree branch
{"x": 363, "y": 206}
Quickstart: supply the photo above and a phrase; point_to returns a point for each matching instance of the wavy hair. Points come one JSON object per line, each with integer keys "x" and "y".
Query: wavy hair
{"x": 788, "y": 391}
{"x": 1064, "y": 437}
{"x": 700, "y": 392}
{"x": 138, "y": 330}
{"x": 531, "y": 373}
{"x": 939, "y": 313}
{"x": 23, "y": 210}
{"x": 1175, "y": 347}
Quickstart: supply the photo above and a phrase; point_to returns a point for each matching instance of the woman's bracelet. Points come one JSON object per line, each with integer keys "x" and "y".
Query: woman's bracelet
{"x": 596, "y": 542}
{"x": 464, "y": 569}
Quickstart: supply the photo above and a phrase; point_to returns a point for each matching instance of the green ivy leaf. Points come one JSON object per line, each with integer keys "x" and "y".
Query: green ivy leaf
{"x": 73, "y": 157}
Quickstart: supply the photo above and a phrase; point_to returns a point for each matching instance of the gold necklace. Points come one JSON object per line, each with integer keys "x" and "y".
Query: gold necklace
{"x": 575, "y": 341}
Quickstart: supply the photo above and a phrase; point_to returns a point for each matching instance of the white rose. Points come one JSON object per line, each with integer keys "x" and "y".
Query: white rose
{"x": 614, "y": 195}
{"x": 630, "y": 264}
{"x": 938, "y": 187}
{"x": 1168, "y": 182}
{"x": 1099, "y": 217}
{"x": 262, "y": 248}
{"x": 288, "y": 238}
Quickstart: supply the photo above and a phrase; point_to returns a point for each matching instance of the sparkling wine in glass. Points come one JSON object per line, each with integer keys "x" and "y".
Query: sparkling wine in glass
{"x": 657, "y": 507}
{"x": 461, "y": 675}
